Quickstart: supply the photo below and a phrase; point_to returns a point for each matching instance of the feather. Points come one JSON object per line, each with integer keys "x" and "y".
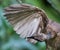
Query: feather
{"x": 26, "y": 19}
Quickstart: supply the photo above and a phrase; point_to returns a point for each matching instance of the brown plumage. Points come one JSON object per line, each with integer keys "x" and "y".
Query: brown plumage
{"x": 32, "y": 23}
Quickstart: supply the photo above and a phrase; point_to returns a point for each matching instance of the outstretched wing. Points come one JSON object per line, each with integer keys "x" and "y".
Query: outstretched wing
{"x": 27, "y": 20}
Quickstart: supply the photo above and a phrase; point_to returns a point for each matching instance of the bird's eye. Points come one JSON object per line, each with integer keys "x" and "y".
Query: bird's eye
{"x": 49, "y": 35}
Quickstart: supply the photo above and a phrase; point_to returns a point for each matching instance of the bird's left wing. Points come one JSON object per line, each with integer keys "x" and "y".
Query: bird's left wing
{"x": 26, "y": 19}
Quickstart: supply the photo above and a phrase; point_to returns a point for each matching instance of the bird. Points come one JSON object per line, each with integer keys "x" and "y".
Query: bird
{"x": 33, "y": 24}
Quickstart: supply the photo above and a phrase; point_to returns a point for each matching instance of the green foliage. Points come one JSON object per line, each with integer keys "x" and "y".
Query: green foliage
{"x": 55, "y": 4}
{"x": 9, "y": 40}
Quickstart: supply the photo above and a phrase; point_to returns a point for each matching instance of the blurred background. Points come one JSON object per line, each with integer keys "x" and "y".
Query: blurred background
{"x": 9, "y": 40}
